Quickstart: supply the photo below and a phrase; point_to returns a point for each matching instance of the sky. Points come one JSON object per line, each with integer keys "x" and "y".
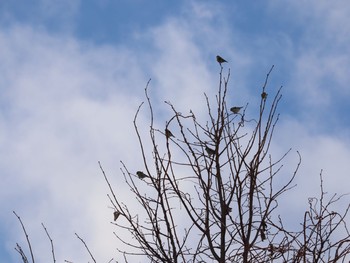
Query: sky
{"x": 73, "y": 72}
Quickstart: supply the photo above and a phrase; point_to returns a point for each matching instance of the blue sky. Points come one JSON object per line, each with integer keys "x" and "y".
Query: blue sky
{"x": 73, "y": 74}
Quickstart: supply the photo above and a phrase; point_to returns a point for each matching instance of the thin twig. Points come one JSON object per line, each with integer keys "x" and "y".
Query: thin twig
{"x": 52, "y": 247}
{"x": 92, "y": 257}
{"x": 27, "y": 237}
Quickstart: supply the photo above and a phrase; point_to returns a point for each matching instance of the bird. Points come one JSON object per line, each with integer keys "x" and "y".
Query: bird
{"x": 220, "y": 59}
{"x": 235, "y": 110}
{"x": 262, "y": 235}
{"x": 116, "y": 215}
{"x": 263, "y": 225}
{"x": 209, "y": 150}
{"x": 168, "y": 134}
{"x": 264, "y": 95}
{"x": 141, "y": 175}
{"x": 263, "y": 230}
{"x": 227, "y": 209}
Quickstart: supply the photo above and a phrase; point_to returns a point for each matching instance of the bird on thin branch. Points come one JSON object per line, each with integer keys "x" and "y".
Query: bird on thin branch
{"x": 141, "y": 175}
{"x": 168, "y": 134}
{"x": 220, "y": 60}
{"x": 264, "y": 95}
{"x": 236, "y": 110}
{"x": 209, "y": 150}
{"x": 116, "y": 214}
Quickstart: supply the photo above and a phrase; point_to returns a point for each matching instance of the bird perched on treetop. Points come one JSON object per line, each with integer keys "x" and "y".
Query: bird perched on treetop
{"x": 168, "y": 134}
{"x": 220, "y": 59}
{"x": 235, "y": 110}
{"x": 141, "y": 175}
{"x": 209, "y": 150}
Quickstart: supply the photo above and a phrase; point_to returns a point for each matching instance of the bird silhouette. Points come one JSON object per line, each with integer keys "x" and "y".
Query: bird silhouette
{"x": 264, "y": 95}
{"x": 227, "y": 209}
{"x": 262, "y": 235}
{"x": 220, "y": 59}
{"x": 209, "y": 150}
{"x": 141, "y": 175}
{"x": 168, "y": 134}
{"x": 263, "y": 230}
{"x": 235, "y": 110}
{"x": 116, "y": 215}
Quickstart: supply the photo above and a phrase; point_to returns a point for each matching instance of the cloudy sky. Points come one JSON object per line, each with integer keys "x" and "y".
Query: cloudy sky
{"x": 73, "y": 72}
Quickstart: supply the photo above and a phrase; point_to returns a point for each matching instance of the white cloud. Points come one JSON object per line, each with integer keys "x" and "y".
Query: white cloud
{"x": 320, "y": 47}
{"x": 66, "y": 104}
{"x": 70, "y": 104}
{"x": 319, "y": 152}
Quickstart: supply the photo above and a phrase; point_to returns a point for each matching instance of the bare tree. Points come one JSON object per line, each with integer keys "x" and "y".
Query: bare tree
{"x": 208, "y": 191}
{"x": 215, "y": 200}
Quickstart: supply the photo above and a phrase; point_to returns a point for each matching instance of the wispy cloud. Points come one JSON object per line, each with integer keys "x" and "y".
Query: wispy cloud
{"x": 68, "y": 103}
{"x": 68, "y": 106}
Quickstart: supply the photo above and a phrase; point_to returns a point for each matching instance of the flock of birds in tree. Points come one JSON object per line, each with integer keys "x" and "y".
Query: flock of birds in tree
{"x": 168, "y": 134}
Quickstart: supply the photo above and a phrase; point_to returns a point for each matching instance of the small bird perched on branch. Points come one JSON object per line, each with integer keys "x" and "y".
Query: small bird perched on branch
{"x": 220, "y": 59}
{"x": 168, "y": 134}
{"x": 263, "y": 230}
{"x": 116, "y": 215}
{"x": 235, "y": 110}
{"x": 209, "y": 150}
{"x": 141, "y": 175}
{"x": 264, "y": 95}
